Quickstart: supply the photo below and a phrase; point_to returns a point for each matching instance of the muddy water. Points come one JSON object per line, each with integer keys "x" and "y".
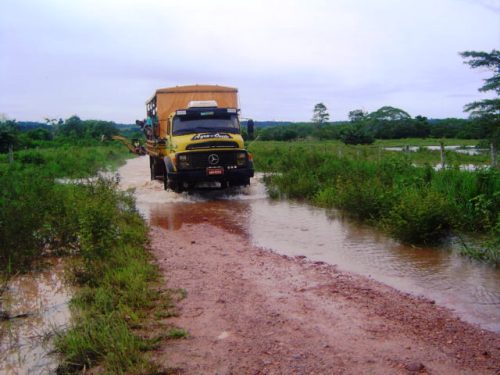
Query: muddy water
{"x": 26, "y": 342}
{"x": 470, "y": 288}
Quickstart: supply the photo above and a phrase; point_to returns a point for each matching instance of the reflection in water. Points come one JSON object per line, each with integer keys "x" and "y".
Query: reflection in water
{"x": 25, "y": 343}
{"x": 470, "y": 288}
{"x": 468, "y": 150}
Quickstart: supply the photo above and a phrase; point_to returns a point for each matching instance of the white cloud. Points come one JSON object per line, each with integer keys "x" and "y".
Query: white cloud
{"x": 102, "y": 59}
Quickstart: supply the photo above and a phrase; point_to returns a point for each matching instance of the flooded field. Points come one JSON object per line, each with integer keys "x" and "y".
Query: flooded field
{"x": 40, "y": 299}
{"x": 469, "y": 288}
{"x": 468, "y": 150}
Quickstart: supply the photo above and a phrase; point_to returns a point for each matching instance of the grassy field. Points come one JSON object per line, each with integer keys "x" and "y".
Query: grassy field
{"x": 119, "y": 297}
{"x": 266, "y": 152}
{"x": 399, "y": 192}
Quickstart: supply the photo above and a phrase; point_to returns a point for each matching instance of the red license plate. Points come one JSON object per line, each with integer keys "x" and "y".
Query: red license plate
{"x": 215, "y": 171}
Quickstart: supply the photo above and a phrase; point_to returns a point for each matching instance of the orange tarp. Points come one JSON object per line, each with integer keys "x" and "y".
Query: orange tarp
{"x": 171, "y": 99}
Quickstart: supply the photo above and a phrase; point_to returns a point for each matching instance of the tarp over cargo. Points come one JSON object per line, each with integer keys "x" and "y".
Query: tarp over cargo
{"x": 171, "y": 99}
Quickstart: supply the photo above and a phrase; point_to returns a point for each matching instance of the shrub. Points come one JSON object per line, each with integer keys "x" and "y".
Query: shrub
{"x": 420, "y": 217}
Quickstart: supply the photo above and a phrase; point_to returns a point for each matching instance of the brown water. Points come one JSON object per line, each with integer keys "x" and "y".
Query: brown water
{"x": 470, "y": 288}
{"x": 26, "y": 343}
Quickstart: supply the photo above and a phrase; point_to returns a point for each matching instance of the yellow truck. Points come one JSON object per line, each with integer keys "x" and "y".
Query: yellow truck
{"x": 193, "y": 136}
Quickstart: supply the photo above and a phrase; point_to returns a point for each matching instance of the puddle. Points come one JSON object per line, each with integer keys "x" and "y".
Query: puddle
{"x": 468, "y": 150}
{"x": 470, "y": 288}
{"x": 26, "y": 343}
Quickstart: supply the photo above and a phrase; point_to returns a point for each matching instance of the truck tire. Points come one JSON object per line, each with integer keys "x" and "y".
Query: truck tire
{"x": 240, "y": 182}
{"x": 152, "y": 168}
{"x": 157, "y": 169}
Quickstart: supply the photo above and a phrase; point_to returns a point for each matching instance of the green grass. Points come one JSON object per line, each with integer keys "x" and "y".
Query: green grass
{"x": 270, "y": 153}
{"x": 118, "y": 302}
{"x": 177, "y": 333}
{"x": 118, "y": 288}
{"x": 398, "y": 192}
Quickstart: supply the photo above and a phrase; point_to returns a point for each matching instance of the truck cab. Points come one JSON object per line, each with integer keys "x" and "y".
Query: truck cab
{"x": 198, "y": 142}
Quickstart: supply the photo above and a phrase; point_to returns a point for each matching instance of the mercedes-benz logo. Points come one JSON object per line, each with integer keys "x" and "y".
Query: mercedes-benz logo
{"x": 213, "y": 159}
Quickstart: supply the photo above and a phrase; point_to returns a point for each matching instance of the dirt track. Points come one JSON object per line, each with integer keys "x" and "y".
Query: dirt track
{"x": 250, "y": 311}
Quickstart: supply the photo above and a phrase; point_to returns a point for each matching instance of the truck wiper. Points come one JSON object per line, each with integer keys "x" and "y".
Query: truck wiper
{"x": 183, "y": 131}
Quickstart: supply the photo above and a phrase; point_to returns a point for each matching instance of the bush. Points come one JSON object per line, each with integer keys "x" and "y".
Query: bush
{"x": 420, "y": 217}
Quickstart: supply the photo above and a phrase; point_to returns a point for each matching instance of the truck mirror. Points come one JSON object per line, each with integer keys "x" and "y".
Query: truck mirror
{"x": 139, "y": 123}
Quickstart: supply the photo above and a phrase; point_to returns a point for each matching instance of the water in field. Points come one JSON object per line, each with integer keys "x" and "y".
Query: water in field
{"x": 470, "y": 288}
{"x": 468, "y": 150}
{"x": 40, "y": 301}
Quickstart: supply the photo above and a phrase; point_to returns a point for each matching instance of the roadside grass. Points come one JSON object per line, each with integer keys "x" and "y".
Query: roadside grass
{"x": 118, "y": 294}
{"x": 37, "y": 214}
{"x": 415, "y": 204}
{"x": 119, "y": 300}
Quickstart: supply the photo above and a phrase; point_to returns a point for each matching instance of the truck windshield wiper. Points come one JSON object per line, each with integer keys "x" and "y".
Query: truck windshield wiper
{"x": 207, "y": 129}
{"x": 183, "y": 131}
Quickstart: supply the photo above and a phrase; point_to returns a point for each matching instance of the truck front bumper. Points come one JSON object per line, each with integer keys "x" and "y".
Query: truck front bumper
{"x": 201, "y": 175}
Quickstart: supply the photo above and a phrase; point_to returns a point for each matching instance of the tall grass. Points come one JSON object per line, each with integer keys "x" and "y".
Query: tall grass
{"x": 117, "y": 293}
{"x": 100, "y": 227}
{"x": 38, "y": 214}
{"x": 416, "y": 204}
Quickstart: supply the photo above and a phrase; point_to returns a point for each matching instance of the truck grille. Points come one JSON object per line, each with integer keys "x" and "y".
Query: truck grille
{"x": 200, "y": 159}
{"x": 217, "y": 144}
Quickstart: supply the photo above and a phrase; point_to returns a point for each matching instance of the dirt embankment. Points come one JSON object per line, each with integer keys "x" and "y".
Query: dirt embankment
{"x": 250, "y": 311}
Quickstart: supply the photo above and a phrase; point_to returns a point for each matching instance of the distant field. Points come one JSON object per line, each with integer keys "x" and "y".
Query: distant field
{"x": 266, "y": 151}
{"x": 425, "y": 142}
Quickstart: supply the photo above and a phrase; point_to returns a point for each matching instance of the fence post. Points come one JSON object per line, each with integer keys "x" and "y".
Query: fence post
{"x": 443, "y": 155}
{"x": 11, "y": 154}
{"x": 493, "y": 150}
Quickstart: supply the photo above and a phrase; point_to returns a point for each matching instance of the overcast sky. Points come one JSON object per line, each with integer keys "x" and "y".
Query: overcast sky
{"x": 102, "y": 59}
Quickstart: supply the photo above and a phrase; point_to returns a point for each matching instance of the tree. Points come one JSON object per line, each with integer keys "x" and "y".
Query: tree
{"x": 73, "y": 127}
{"x": 320, "y": 114}
{"x": 9, "y": 132}
{"x": 357, "y": 115}
{"x": 487, "y": 111}
{"x": 356, "y": 134}
{"x": 389, "y": 114}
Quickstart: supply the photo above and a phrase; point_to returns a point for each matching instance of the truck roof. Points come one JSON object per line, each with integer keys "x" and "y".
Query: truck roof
{"x": 196, "y": 88}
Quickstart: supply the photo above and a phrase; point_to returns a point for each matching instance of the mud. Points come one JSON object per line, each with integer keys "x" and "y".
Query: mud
{"x": 252, "y": 310}
{"x": 470, "y": 288}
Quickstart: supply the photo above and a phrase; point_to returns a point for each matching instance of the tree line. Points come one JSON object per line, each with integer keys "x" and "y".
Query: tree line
{"x": 19, "y": 135}
{"x": 393, "y": 123}
{"x": 371, "y": 126}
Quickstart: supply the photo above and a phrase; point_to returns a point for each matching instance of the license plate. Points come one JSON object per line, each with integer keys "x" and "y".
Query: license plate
{"x": 215, "y": 171}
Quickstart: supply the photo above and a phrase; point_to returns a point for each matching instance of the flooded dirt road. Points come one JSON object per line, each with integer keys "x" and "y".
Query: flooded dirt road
{"x": 250, "y": 309}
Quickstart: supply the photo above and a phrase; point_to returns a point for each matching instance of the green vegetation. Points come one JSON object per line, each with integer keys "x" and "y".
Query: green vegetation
{"x": 58, "y": 133}
{"x": 415, "y": 204}
{"x": 486, "y": 111}
{"x": 373, "y": 126}
{"x": 44, "y": 211}
{"x": 38, "y": 215}
{"x": 117, "y": 293}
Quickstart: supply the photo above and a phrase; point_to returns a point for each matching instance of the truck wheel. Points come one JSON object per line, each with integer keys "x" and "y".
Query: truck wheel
{"x": 152, "y": 170}
{"x": 165, "y": 181}
{"x": 176, "y": 186}
{"x": 240, "y": 182}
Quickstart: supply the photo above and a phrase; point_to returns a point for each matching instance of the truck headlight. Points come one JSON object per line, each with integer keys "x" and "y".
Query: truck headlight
{"x": 241, "y": 159}
{"x": 182, "y": 162}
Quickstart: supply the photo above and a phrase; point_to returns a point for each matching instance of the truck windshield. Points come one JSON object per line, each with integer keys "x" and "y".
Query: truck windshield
{"x": 199, "y": 123}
